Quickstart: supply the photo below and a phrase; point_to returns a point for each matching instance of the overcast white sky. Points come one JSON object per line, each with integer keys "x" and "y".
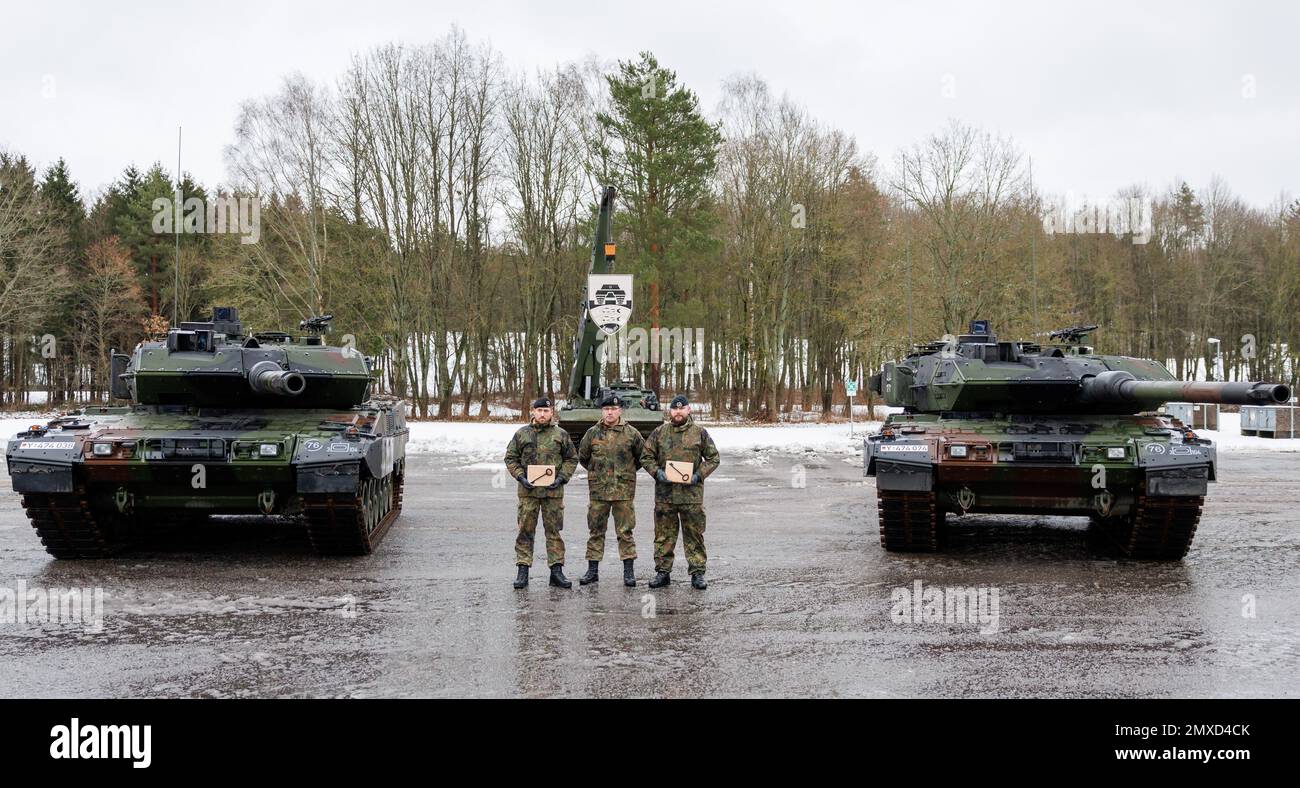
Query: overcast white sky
{"x": 1101, "y": 96}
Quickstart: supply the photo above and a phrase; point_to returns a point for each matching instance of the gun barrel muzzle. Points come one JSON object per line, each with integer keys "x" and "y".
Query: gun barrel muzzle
{"x": 266, "y": 377}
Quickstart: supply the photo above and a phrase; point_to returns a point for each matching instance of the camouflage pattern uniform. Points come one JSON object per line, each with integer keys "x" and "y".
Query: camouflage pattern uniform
{"x": 680, "y": 504}
{"x": 541, "y": 444}
{"x": 611, "y": 456}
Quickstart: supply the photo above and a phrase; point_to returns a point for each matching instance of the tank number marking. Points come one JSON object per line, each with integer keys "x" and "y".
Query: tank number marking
{"x": 47, "y": 445}
{"x": 906, "y": 447}
{"x": 313, "y": 445}
{"x": 1155, "y": 448}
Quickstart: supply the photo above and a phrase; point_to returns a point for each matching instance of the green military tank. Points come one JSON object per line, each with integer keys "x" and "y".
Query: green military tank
{"x": 1052, "y": 428}
{"x": 220, "y": 423}
{"x": 581, "y": 409}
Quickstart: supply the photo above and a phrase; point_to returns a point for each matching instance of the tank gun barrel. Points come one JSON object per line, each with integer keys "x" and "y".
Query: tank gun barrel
{"x": 266, "y": 378}
{"x": 1117, "y": 386}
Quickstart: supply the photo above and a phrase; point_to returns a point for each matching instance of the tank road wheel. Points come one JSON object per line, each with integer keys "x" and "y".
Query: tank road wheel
{"x": 910, "y": 521}
{"x": 1158, "y": 528}
{"x": 352, "y": 524}
{"x": 69, "y": 528}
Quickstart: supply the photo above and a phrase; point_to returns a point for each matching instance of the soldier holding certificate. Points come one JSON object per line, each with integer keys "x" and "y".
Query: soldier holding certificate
{"x": 541, "y": 458}
{"x": 680, "y": 455}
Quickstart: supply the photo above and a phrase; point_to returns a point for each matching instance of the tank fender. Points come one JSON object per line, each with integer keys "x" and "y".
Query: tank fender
{"x": 903, "y": 476}
{"x": 382, "y": 453}
{"x": 900, "y": 465}
{"x": 43, "y": 464}
{"x": 1178, "y": 481}
{"x": 329, "y": 477}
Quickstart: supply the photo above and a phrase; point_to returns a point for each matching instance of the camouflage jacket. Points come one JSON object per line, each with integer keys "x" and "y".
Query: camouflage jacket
{"x": 687, "y": 443}
{"x": 541, "y": 445}
{"x": 611, "y": 456}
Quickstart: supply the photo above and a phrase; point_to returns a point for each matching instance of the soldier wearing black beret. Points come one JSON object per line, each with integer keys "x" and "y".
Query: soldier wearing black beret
{"x": 541, "y": 443}
{"x": 679, "y": 496}
{"x": 611, "y": 451}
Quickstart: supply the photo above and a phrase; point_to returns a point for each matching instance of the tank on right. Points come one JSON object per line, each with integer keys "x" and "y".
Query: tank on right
{"x": 1049, "y": 428}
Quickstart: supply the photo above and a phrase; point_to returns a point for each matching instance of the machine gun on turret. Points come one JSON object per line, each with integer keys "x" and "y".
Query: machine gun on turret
{"x": 1072, "y": 335}
{"x": 316, "y": 326}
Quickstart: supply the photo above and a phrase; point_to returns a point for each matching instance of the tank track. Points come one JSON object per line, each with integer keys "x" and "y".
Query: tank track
{"x": 910, "y": 521}
{"x": 68, "y": 528}
{"x": 353, "y": 523}
{"x": 1158, "y": 529}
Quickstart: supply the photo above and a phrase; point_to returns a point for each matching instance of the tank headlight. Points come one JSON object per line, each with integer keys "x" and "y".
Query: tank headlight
{"x": 1115, "y": 453}
{"x": 269, "y": 449}
{"x": 102, "y": 449}
{"x": 957, "y": 451}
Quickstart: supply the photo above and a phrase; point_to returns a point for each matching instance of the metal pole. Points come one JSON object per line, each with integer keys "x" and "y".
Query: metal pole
{"x": 1033, "y": 247}
{"x": 1218, "y": 362}
{"x": 180, "y": 206}
{"x": 909, "y": 295}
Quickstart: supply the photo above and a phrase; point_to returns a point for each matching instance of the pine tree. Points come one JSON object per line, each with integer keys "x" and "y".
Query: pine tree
{"x": 62, "y": 200}
{"x": 660, "y": 153}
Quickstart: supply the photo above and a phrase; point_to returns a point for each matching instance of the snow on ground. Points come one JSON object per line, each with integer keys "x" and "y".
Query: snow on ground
{"x": 1229, "y": 437}
{"x": 495, "y": 410}
{"x": 486, "y": 443}
{"x": 12, "y": 423}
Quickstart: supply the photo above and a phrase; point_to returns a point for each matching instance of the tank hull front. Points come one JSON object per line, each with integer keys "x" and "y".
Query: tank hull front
{"x": 1114, "y": 469}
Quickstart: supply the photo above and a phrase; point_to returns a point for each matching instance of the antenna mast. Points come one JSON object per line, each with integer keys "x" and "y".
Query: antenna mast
{"x": 1033, "y": 244}
{"x": 176, "y": 216}
{"x": 908, "y": 254}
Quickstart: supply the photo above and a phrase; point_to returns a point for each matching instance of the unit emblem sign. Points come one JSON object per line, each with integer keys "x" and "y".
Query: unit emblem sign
{"x": 609, "y": 301}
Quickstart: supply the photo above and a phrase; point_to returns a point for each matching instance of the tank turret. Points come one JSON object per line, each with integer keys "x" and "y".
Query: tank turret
{"x": 976, "y": 373}
{"x": 214, "y": 364}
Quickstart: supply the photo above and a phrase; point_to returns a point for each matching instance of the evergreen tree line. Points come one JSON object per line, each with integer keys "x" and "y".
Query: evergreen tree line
{"x": 440, "y": 207}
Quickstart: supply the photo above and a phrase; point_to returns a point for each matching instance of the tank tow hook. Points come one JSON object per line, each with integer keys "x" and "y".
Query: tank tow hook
{"x": 124, "y": 500}
{"x": 1103, "y": 501}
{"x": 965, "y": 499}
{"x": 266, "y": 501}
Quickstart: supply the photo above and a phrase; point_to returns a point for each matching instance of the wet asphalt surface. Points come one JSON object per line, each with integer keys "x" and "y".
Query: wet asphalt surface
{"x": 799, "y": 602}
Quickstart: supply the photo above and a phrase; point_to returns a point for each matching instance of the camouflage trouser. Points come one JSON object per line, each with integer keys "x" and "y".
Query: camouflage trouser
{"x": 691, "y": 519}
{"x": 624, "y": 521}
{"x": 552, "y": 512}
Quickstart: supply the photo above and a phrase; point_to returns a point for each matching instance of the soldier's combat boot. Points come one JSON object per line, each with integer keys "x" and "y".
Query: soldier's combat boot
{"x": 521, "y": 580}
{"x": 592, "y": 575}
{"x": 661, "y": 579}
{"x": 629, "y": 578}
{"x": 557, "y": 577}
{"x": 698, "y": 582}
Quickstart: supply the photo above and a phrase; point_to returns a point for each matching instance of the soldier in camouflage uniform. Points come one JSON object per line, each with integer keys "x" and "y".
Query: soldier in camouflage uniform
{"x": 611, "y": 452}
{"x": 677, "y": 504}
{"x": 542, "y": 442}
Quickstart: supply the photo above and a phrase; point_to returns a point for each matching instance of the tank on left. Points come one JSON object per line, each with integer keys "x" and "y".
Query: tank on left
{"x": 219, "y": 423}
